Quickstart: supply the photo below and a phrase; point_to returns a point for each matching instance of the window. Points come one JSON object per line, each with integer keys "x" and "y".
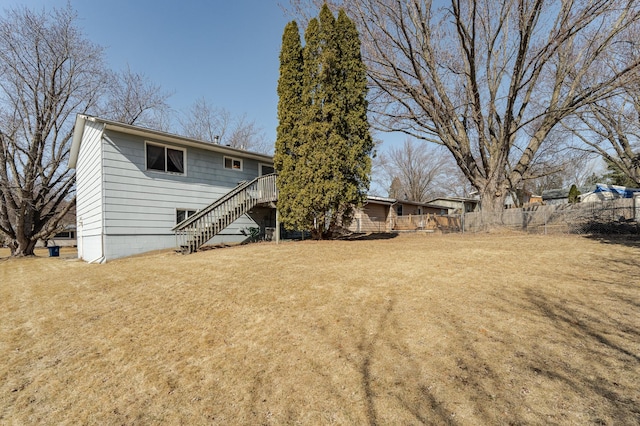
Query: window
{"x": 399, "y": 210}
{"x": 65, "y": 234}
{"x": 232, "y": 163}
{"x": 164, "y": 159}
{"x": 182, "y": 214}
{"x": 266, "y": 169}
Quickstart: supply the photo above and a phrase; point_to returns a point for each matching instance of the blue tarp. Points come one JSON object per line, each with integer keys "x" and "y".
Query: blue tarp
{"x": 623, "y": 192}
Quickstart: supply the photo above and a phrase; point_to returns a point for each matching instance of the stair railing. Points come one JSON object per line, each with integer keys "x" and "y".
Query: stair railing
{"x": 199, "y": 228}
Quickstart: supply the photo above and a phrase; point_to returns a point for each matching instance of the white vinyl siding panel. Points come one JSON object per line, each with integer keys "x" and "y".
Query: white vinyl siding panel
{"x": 89, "y": 193}
{"x": 142, "y": 202}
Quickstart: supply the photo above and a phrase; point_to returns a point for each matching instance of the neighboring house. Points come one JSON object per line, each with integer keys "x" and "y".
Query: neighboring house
{"x": 65, "y": 238}
{"x": 67, "y": 235}
{"x": 380, "y": 214}
{"x": 561, "y": 196}
{"x": 524, "y": 199}
{"x": 604, "y": 192}
{"x": 134, "y": 185}
{"x": 457, "y": 205}
{"x": 534, "y": 200}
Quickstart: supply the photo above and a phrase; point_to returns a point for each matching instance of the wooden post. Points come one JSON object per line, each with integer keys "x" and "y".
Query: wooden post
{"x": 277, "y": 227}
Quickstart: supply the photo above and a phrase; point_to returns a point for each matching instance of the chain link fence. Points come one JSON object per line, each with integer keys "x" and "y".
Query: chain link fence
{"x": 608, "y": 217}
{"x": 621, "y": 216}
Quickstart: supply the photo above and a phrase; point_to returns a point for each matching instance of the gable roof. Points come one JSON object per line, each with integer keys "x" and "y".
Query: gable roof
{"x": 156, "y": 135}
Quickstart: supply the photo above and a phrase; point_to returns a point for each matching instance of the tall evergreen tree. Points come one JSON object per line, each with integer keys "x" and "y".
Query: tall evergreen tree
{"x": 289, "y": 115}
{"x": 330, "y": 160}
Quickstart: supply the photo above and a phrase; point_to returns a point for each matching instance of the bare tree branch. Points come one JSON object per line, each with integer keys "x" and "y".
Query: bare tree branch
{"x": 48, "y": 73}
{"x": 483, "y": 77}
{"x": 134, "y": 99}
{"x": 205, "y": 122}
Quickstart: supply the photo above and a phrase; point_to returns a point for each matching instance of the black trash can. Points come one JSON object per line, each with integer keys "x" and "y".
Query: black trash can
{"x": 54, "y": 251}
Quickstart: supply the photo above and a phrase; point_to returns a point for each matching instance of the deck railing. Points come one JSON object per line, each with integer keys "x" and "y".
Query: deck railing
{"x": 196, "y": 230}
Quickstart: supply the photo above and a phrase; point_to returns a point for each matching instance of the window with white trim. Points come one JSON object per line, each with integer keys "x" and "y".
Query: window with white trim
{"x": 162, "y": 158}
{"x": 232, "y": 163}
{"x": 182, "y": 214}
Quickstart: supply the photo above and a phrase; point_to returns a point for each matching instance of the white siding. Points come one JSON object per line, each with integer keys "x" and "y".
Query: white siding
{"x": 89, "y": 193}
{"x": 140, "y": 205}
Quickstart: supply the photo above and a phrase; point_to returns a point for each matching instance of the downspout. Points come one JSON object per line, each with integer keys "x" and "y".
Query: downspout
{"x": 392, "y": 212}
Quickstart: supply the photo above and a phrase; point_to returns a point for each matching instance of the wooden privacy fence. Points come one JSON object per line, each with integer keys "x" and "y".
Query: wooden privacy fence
{"x": 427, "y": 222}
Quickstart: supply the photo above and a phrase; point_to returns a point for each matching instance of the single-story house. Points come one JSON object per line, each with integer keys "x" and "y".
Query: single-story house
{"x": 135, "y": 185}
{"x": 381, "y": 214}
{"x": 457, "y": 205}
{"x": 64, "y": 238}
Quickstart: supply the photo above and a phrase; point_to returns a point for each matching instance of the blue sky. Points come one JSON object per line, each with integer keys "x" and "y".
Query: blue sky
{"x": 224, "y": 51}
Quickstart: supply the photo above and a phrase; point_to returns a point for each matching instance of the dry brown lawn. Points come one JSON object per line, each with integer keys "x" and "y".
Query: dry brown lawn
{"x": 484, "y": 329}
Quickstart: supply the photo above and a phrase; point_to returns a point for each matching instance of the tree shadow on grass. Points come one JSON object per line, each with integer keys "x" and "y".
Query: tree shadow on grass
{"x": 526, "y": 355}
{"x": 377, "y": 236}
{"x": 587, "y": 357}
{"x": 629, "y": 240}
{"x": 610, "y": 343}
{"x": 393, "y": 385}
{"x": 622, "y": 232}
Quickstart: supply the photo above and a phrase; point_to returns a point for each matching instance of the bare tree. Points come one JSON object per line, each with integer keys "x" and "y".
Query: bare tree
{"x": 420, "y": 171}
{"x": 557, "y": 164}
{"x": 611, "y": 129}
{"x": 134, "y": 99}
{"x": 483, "y": 77}
{"x": 48, "y": 72}
{"x": 246, "y": 134}
{"x": 205, "y": 122}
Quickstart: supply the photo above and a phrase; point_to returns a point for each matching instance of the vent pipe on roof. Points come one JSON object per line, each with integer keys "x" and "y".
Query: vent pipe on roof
{"x": 216, "y": 139}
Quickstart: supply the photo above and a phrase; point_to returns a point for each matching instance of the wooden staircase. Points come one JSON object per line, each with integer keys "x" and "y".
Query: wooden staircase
{"x": 196, "y": 230}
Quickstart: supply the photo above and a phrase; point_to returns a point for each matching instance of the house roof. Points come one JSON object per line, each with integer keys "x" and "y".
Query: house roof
{"x": 390, "y": 201}
{"x": 157, "y": 135}
{"x": 380, "y": 200}
{"x": 456, "y": 199}
{"x": 555, "y": 194}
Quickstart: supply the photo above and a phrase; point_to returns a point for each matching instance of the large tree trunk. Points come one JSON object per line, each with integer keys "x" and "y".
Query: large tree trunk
{"x": 23, "y": 247}
{"x": 492, "y": 197}
{"x": 490, "y": 203}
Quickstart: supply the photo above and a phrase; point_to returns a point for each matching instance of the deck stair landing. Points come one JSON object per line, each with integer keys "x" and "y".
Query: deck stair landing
{"x": 196, "y": 230}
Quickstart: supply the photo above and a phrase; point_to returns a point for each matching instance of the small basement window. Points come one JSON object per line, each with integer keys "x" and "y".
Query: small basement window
{"x": 165, "y": 159}
{"x": 232, "y": 163}
{"x": 182, "y": 214}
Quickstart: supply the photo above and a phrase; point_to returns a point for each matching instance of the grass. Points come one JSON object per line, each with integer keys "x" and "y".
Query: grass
{"x": 484, "y": 329}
